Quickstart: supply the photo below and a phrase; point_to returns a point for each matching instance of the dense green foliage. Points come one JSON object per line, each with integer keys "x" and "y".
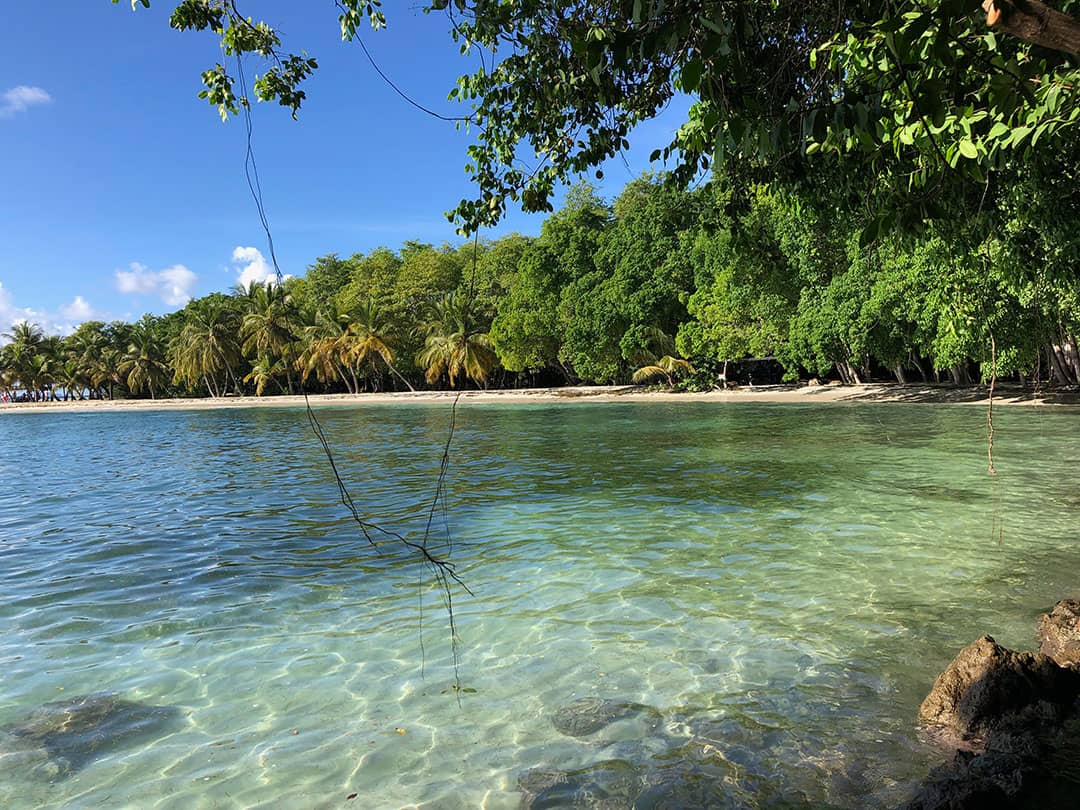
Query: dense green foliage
{"x": 624, "y": 291}
{"x": 918, "y": 94}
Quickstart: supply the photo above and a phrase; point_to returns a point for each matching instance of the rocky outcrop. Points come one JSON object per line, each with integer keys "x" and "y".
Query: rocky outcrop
{"x": 1003, "y": 712}
{"x": 989, "y": 688}
{"x": 1059, "y": 632}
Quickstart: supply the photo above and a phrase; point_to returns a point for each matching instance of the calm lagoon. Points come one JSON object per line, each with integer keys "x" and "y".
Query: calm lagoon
{"x": 776, "y": 586}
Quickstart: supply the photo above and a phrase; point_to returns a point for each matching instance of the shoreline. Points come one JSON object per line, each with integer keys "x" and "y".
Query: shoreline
{"x": 775, "y": 394}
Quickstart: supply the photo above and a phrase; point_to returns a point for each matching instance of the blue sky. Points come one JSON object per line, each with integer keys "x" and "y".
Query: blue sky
{"x": 121, "y": 192}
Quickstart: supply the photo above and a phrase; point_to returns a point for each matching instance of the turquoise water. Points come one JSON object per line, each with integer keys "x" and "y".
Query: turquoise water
{"x": 780, "y": 584}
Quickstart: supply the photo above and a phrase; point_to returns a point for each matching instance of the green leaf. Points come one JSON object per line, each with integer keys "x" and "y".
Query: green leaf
{"x": 1018, "y": 135}
{"x": 691, "y": 75}
{"x": 968, "y": 149}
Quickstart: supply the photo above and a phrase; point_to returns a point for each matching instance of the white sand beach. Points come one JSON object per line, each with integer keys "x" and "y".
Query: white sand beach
{"x": 875, "y": 392}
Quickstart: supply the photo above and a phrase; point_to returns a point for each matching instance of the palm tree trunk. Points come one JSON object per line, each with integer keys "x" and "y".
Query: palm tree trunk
{"x": 398, "y": 375}
{"x": 345, "y": 378}
{"x": 231, "y": 376}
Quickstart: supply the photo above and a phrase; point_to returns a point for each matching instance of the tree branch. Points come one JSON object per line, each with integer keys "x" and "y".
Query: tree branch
{"x": 1035, "y": 22}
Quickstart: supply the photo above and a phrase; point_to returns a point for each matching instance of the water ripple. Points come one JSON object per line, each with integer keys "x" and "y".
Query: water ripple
{"x": 779, "y": 583}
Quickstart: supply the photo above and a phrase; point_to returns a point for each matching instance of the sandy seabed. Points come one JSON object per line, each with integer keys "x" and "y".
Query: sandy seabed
{"x": 930, "y": 394}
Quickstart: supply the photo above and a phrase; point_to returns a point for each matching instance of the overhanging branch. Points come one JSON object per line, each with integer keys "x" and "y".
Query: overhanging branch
{"x": 1035, "y": 22}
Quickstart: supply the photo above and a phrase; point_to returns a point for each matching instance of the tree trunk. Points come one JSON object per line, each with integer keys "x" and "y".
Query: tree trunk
{"x": 898, "y": 370}
{"x": 398, "y": 374}
{"x": 849, "y": 374}
{"x": 918, "y": 366}
{"x": 1057, "y": 367}
{"x": 232, "y": 376}
{"x": 1072, "y": 355}
{"x": 1035, "y": 22}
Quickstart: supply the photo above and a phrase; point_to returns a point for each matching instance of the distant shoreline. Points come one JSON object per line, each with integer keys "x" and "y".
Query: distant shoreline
{"x": 874, "y": 392}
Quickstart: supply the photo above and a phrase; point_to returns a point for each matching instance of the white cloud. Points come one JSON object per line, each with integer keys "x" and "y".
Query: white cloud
{"x": 20, "y": 98}
{"x": 11, "y": 314}
{"x": 252, "y": 267}
{"x": 173, "y": 284}
{"x": 139, "y": 280}
{"x": 176, "y": 284}
{"x": 78, "y": 310}
{"x": 61, "y": 323}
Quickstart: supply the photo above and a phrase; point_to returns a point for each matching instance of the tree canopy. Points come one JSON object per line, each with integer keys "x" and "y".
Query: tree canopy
{"x": 920, "y": 94}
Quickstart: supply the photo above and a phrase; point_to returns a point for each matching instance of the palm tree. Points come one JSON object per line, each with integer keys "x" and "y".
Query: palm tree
{"x": 105, "y": 370}
{"x": 71, "y": 379}
{"x": 270, "y": 324}
{"x": 25, "y": 336}
{"x": 207, "y": 349}
{"x": 27, "y": 341}
{"x": 454, "y": 346}
{"x": 143, "y": 365}
{"x": 8, "y": 375}
{"x": 667, "y": 367}
{"x": 366, "y": 340}
{"x": 45, "y": 367}
{"x": 263, "y": 372}
{"x": 322, "y": 350}
{"x": 85, "y": 348}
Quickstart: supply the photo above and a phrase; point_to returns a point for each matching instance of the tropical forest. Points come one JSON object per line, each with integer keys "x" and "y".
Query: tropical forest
{"x": 659, "y": 285}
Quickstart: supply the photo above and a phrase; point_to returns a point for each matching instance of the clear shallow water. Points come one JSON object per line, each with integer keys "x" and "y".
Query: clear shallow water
{"x": 781, "y": 583}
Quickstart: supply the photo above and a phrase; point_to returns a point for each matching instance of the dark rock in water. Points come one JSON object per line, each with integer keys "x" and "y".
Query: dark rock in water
{"x": 71, "y": 733}
{"x": 1006, "y": 712}
{"x": 996, "y": 779}
{"x": 988, "y": 687}
{"x": 588, "y": 715}
{"x": 697, "y": 775}
{"x": 609, "y": 785}
{"x": 1059, "y": 631}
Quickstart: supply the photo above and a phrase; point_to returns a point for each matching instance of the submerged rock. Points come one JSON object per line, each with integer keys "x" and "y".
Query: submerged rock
{"x": 609, "y": 785}
{"x": 60, "y": 738}
{"x": 588, "y": 715}
{"x": 696, "y": 774}
{"x": 988, "y": 688}
{"x": 1059, "y": 631}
